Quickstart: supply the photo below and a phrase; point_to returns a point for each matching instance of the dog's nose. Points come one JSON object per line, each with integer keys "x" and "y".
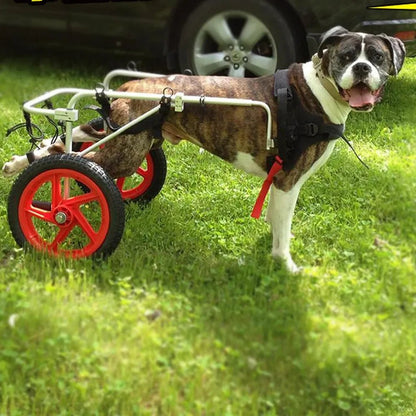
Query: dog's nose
{"x": 361, "y": 68}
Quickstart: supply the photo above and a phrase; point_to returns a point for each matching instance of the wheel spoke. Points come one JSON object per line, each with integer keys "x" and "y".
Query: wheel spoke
{"x": 60, "y": 238}
{"x": 220, "y": 31}
{"x": 210, "y": 63}
{"x": 261, "y": 65}
{"x": 77, "y": 201}
{"x": 252, "y": 32}
{"x": 142, "y": 172}
{"x": 240, "y": 72}
{"x": 40, "y": 213}
{"x": 85, "y": 225}
{"x": 56, "y": 194}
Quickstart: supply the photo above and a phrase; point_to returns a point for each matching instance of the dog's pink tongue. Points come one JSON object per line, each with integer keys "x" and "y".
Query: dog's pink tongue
{"x": 361, "y": 96}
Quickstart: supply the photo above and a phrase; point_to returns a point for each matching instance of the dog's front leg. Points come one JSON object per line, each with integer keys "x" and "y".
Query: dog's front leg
{"x": 280, "y": 214}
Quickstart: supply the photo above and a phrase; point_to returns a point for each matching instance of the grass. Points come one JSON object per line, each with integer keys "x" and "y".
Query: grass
{"x": 191, "y": 316}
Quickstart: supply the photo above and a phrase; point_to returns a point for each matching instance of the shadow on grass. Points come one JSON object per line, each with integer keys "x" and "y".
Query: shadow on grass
{"x": 249, "y": 304}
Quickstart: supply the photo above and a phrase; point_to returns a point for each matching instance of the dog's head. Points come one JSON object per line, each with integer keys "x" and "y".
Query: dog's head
{"x": 360, "y": 64}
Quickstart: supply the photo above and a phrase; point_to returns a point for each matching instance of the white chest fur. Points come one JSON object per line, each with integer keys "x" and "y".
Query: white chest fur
{"x": 246, "y": 162}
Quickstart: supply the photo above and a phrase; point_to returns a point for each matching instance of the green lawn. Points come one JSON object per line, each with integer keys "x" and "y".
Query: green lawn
{"x": 192, "y": 316}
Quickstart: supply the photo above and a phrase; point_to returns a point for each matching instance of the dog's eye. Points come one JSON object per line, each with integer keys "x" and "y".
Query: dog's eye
{"x": 378, "y": 58}
{"x": 347, "y": 57}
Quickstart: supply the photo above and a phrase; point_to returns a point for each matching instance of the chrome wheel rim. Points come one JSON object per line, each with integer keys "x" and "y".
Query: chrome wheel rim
{"x": 235, "y": 43}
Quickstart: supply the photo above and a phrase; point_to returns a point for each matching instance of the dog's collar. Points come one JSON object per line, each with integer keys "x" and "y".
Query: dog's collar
{"x": 329, "y": 86}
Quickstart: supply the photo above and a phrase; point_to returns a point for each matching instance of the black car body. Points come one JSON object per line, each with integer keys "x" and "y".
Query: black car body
{"x": 166, "y": 28}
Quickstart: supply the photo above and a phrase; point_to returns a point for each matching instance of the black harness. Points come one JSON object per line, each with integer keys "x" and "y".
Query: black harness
{"x": 297, "y": 128}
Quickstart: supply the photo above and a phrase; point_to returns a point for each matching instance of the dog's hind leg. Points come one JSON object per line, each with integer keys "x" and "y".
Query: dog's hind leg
{"x": 123, "y": 155}
{"x": 280, "y": 214}
{"x": 47, "y": 147}
{"x": 18, "y": 163}
{"x": 87, "y": 133}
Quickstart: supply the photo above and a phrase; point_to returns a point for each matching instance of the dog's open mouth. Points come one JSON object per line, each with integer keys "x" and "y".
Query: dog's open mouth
{"x": 360, "y": 97}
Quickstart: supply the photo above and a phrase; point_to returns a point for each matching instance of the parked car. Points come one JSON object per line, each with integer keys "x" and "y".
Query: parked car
{"x": 227, "y": 37}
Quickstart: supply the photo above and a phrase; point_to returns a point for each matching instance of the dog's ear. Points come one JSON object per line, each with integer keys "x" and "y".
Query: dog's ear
{"x": 331, "y": 37}
{"x": 397, "y": 51}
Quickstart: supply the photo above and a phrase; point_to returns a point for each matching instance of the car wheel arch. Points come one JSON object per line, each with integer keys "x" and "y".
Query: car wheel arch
{"x": 184, "y": 8}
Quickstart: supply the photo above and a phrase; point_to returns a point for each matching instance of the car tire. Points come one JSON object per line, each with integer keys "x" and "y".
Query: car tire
{"x": 236, "y": 38}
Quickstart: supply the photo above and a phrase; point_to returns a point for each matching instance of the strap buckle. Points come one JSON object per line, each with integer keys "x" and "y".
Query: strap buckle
{"x": 312, "y": 129}
{"x": 165, "y": 101}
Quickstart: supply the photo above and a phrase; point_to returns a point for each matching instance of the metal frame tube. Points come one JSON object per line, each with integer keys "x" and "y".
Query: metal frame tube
{"x": 129, "y": 74}
{"x": 78, "y": 94}
{"x": 29, "y": 106}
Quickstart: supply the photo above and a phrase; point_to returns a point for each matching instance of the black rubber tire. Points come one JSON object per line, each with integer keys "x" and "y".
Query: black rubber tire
{"x": 159, "y": 168}
{"x": 275, "y": 21}
{"x": 89, "y": 169}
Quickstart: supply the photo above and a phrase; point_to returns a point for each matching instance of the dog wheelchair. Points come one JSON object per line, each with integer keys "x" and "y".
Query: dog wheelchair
{"x": 67, "y": 205}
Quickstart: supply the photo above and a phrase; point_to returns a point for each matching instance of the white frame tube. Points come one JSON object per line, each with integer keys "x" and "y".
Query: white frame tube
{"x": 78, "y": 93}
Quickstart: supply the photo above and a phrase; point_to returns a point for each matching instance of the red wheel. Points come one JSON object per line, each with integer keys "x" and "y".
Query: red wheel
{"x": 148, "y": 180}
{"x": 132, "y": 190}
{"x": 49, "y": 211}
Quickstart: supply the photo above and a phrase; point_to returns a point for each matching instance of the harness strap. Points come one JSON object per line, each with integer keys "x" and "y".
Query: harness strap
{"x": 355, "y": 153}
{"x": 153, "y": 122}
{"x": 284, "y": 96}
{"x": 258, "y": 206}
{"x": 30, "y": 156}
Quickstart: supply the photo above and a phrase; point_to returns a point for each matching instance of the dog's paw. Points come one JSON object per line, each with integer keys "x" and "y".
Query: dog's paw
{"x": 45, "y": 143}
{"x": 292, "y": 267}
{"x": 287, "y": 262}
{"x": 16, "y": 164}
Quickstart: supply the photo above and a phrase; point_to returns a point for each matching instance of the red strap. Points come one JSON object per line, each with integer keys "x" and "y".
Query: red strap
{"x": 258, "y": 206}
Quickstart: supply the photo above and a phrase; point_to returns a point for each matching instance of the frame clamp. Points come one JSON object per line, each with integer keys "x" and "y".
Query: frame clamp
{"x": 65, "y": 114}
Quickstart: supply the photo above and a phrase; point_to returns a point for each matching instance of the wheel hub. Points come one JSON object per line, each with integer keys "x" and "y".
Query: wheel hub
{"x": 62, "y": 216}
{"x": 235, "y": 55}
{"x": 236, "y": 58}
